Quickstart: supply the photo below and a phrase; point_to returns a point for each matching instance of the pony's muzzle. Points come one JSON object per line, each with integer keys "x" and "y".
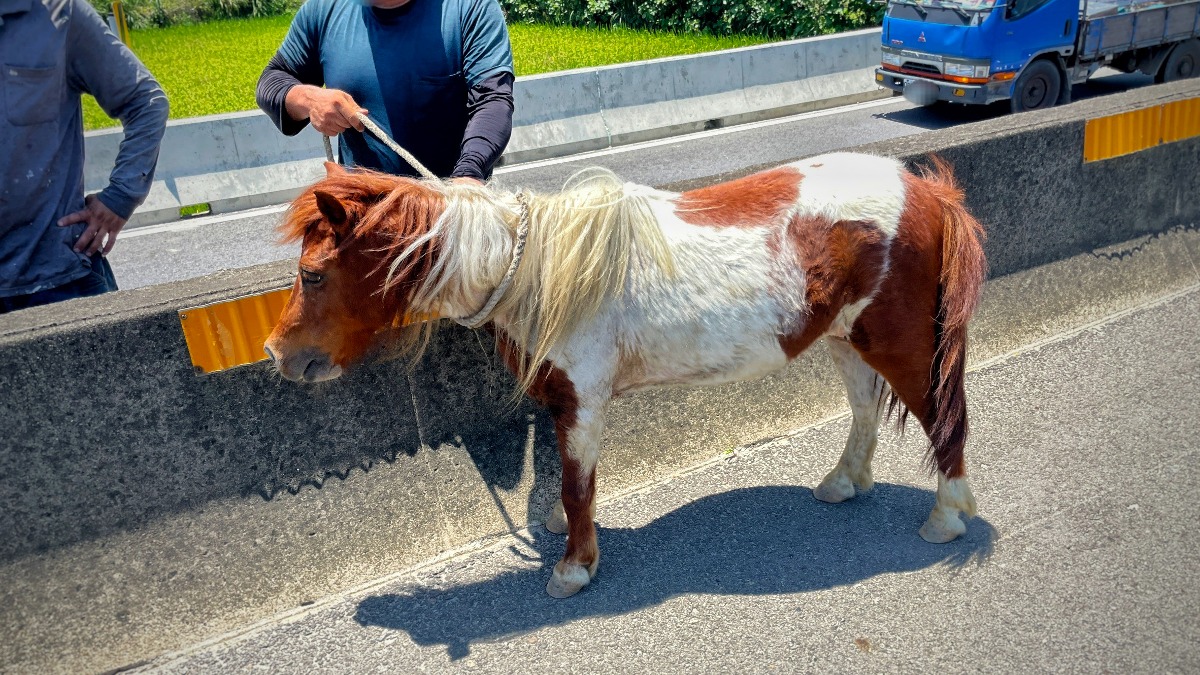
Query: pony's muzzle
{"x": 306, "y": 365}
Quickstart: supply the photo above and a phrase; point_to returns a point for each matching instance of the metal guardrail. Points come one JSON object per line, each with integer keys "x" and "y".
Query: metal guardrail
{"x": 119, "y": 23}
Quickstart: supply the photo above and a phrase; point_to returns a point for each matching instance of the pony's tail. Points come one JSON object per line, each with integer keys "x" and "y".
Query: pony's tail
{"x": 960, "y": 287}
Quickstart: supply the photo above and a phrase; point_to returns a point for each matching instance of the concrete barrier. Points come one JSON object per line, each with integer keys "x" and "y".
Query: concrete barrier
{"x": 239, "y": 160}
{"x": 147, "y": 508}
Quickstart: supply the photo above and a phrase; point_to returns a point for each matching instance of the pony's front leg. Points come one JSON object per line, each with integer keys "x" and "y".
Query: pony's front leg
{"x": 579, "y": 434}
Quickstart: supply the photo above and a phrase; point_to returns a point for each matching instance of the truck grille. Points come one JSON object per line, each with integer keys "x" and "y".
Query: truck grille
{"x": 921, "y": 67}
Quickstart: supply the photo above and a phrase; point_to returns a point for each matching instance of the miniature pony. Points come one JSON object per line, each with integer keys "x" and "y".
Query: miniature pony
{"x": 610, "y": 287}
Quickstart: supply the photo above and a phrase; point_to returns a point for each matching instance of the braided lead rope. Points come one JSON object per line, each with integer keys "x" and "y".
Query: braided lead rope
{"x": 392, "y": 145}
{"x": 481, "y": 317}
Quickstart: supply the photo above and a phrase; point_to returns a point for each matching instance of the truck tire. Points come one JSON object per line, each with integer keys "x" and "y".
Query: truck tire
{"x": 1038, "y": 87}
{"x": 1184, "y": 62}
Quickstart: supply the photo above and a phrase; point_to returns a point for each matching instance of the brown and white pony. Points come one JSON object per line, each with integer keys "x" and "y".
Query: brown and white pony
{"x": 622, "y": 287}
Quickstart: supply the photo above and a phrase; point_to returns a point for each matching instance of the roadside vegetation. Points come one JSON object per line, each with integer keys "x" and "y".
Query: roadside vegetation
{"x": 211, "y": 68}
{"x": 780, "y": 19}
{"x": 208, "y": 54}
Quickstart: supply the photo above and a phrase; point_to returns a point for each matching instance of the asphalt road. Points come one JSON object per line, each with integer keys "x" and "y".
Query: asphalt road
{"x": 1084, "y": 461}
{"x": 161, "y": 253}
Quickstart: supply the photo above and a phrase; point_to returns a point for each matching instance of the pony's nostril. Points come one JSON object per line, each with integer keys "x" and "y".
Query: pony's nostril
{"x": 314, "y": 369}
{"x": 270, "y": 354}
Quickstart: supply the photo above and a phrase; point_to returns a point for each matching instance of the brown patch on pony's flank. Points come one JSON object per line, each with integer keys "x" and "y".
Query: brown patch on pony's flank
{"x": 895, "y": 333}
{"x": 914, "y": 331}
{"x": 864, "y": 645}
{"x": 842, "y": 263}
{"x": 756, "y": 200}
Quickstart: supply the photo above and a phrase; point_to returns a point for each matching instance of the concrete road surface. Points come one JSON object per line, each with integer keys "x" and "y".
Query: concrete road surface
{"x": 1084, "y": 557}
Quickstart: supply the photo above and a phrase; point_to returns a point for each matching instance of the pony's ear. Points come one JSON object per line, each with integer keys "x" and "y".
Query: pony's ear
{"x": 331, "y": 208}
{"x": 333, "y": 169}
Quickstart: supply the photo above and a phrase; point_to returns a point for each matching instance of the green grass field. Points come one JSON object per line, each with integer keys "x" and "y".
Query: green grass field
{"x": 212, "y": 68}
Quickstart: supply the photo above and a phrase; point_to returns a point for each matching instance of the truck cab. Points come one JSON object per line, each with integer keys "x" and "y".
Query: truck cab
{"x": 1029, "y": 52}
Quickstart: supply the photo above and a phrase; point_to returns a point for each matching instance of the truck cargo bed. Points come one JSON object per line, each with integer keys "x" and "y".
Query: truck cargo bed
{"x": 1122, "y": 26}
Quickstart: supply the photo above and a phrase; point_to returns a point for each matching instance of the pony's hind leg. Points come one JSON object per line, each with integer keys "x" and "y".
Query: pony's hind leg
{"x": 865, "y": 391}
{"x": 953, "y": 497}
{"x": 907, "y": 370}
{"x": 557, "y": 522}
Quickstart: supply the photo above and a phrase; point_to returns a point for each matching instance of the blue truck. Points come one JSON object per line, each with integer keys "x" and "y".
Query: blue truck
{"x": 1031, "y": 52}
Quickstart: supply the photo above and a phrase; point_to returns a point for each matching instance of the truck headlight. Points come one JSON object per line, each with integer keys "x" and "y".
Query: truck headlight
{"x": 891, "y": 59}
{"x": 966, "y": 70}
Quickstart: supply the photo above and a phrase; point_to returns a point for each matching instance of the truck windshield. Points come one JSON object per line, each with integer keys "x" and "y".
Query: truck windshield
{"x": 953, "y": 12}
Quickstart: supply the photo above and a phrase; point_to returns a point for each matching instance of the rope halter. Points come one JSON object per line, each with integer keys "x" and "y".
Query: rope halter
{"x": 481, "y": 317}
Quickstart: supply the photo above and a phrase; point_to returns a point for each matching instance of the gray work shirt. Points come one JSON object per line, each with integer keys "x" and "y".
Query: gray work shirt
{"x": 51, "y": 51}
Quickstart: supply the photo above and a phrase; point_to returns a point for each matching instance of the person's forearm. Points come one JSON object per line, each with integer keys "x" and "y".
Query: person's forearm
{"x": 489, "y": 126}
{"x": 144, "y": 119}
{"x": 99, "y": 64}
{"x": 275, "y": 96}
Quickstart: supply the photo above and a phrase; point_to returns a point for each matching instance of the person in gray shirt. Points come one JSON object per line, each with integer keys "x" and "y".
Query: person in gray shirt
{"x": 53, "y": 239}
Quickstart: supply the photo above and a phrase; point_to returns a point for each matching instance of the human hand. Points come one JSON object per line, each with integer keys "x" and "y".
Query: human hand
{"x": 330, "y": 111}
{"x": 102, "y": 222}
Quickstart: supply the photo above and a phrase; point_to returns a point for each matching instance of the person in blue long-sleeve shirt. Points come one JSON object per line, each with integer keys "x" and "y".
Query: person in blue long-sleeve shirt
{"x": 53, "y": 238}
{"x": 436, "y": 75}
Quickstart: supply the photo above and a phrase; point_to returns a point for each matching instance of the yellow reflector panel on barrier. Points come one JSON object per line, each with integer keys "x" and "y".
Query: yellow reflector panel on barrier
{"x": 231, "y": 333}
{"x": 1129, "y": 132}
{"x": 1181, "y": 120}
{"x": 1122, "y": 134}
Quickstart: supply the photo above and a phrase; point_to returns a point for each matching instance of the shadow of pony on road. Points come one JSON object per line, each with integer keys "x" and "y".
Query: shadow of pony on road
{"x": 749, "y": 541}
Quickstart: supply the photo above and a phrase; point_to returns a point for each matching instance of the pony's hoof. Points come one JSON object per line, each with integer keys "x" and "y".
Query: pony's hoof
{"x": 568, "y": 579}
{"x": 557, "y": 522}
{"x": 835, "y": 489}
{"x": 942, "y": 527}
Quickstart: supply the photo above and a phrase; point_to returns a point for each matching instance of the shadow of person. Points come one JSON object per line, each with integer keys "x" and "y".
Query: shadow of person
{"x": 751, "y": 541}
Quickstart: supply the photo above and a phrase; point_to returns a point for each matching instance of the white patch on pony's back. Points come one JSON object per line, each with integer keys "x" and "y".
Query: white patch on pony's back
{"x": 715, "y": 320}
{"x": 842, "y": 186}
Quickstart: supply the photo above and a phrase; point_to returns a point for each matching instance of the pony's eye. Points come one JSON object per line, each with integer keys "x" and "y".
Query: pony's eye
{"x": 310, "y": 278}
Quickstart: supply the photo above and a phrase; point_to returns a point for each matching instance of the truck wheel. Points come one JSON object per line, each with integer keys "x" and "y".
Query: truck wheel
{"x": 1037, "y": 88}
{"x": 1184, "y": 62}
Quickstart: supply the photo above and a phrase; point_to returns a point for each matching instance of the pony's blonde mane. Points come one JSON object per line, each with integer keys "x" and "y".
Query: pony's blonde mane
{"x": 581, "y": 247}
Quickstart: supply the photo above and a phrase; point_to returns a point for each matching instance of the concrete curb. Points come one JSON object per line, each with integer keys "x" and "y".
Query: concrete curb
{"x": 239, "y": 160}
{"x": 148, "y": 509}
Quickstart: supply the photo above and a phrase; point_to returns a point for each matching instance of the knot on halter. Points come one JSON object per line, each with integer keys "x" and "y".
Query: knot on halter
{"x": 479, "y": 318}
